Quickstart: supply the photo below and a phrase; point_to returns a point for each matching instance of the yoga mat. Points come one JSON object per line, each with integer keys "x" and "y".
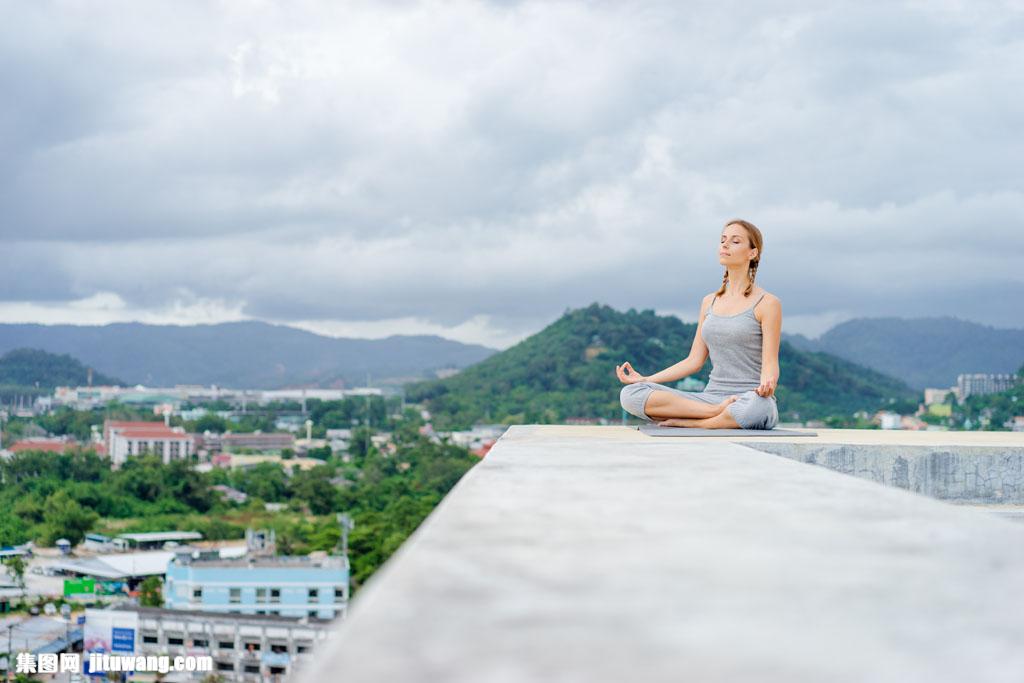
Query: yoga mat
{"x": 655, "y": 430}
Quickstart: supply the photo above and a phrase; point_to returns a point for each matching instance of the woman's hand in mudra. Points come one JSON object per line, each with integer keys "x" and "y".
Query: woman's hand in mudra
{"x": 767, "y": 386}
{"x": 632, "y": 378}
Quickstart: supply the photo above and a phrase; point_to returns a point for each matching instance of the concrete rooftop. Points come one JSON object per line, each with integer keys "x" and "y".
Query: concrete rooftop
{"x": 592, "y": 554}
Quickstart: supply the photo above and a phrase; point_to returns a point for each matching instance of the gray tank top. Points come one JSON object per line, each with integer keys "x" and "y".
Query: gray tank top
{"x": 734, "y": 344}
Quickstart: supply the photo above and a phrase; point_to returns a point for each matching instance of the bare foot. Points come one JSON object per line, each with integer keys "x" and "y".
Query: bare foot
{"x": 726, "y": 402}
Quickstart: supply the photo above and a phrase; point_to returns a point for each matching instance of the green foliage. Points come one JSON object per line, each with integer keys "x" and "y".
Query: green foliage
{"x": 32, "y": 367}
{"x": 151, "y": 592}
{"x": 568, "y": 370}
{"x": 46, "y": 496}
{"x": 990, "y": 412}
{"x": 266, "y": 481}
{"x": 389, "y": 501}
{"x": 346, "y": 412}
{"x": 321, "y": 453}
{"x": 16, "y": 568}
{"x": 210, "y": 422}
{"x": 63, "y": 517}
{"x": 315, "y": 488}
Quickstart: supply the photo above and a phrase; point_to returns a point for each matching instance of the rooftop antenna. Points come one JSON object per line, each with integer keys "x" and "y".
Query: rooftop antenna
{"x": 346, "y": 524}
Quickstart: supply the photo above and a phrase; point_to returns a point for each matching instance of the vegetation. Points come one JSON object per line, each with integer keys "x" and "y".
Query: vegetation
{"x": 35, "y": 368}
{"x": 991, "y": 412}
{"x": 568, "y": 370}
{"x": 45, "y": 496}
{"x": 151, "y": 592}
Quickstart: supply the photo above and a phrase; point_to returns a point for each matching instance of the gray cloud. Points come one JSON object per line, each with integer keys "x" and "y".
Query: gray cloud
{"x": 446, "y": 161}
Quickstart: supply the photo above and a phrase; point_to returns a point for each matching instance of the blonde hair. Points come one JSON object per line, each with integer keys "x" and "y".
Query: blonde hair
{"x": 756, "y": 242}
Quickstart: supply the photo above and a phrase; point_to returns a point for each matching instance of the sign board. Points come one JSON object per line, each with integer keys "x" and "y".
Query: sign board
{"x": 82, "y": 586}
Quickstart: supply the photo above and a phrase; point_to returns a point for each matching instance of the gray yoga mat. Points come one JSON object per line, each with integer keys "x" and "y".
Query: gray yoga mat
{"x": 655, "y": 430}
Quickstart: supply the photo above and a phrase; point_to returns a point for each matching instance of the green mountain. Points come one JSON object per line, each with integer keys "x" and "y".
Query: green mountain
{"x": 249, "y": 354}
{"x": 923, "y": 352}
{"x": 36, "y": 368}
{"x": 568, "y": 370}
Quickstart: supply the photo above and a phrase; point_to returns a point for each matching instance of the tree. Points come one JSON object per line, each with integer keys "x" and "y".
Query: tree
{"x": 16, "y": 568}
{"x": 151, "y": 592}
{"x": 314, "y": 486}
{"x": 63, "y": 517}
{"x": 211, "y": 422}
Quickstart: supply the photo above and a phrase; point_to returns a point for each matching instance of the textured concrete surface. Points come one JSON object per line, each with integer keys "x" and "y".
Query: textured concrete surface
{"x": 983, "y": 474}
{"x": 577, "y": 554}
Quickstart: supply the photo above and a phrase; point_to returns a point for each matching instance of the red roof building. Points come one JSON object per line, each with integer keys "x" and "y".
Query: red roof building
{"x": 46, "y": 445}
{"x": 124, "y": 439}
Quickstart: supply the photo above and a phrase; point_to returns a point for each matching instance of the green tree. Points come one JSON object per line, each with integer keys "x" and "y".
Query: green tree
{"x": 16, "y": 568}
{"x": 63, "y": 517}
{"x": 210, "y": 422}
{"x": 151, "y": 592}
{"x": 314, "y": 487}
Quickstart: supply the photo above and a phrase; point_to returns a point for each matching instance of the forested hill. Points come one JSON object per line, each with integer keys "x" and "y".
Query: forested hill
{"x": 33, "y": 367}
{"x": 568, "y": 370}
{"x": 923, "y": 352}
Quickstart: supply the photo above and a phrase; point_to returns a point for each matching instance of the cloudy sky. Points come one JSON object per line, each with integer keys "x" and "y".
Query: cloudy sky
{"x": 474, "y": 169}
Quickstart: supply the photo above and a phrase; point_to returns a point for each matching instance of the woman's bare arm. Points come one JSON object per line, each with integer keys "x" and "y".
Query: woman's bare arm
{"x": 692, "y": 364}
{"x": 771, "y": 333}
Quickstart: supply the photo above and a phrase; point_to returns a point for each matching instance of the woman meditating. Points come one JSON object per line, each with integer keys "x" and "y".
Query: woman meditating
{"x": 739, "y": 327}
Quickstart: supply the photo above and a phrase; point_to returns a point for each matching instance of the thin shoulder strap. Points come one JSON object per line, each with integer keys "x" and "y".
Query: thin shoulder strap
{"x": 758, "y": 301}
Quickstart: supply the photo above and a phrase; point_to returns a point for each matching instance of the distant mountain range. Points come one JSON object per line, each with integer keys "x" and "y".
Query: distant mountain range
{"x": 35, "y": 368}
{"x": 568, "y": 370}
{"x": 242, "y": 354}
{"x": 923, "y": 352}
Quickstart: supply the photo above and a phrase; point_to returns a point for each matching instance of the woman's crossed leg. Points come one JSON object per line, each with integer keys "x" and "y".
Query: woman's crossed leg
{"x": 671, "y": 410}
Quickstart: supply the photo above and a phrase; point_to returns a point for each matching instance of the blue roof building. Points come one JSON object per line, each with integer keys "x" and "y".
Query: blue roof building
{"x": 314, "y": 586}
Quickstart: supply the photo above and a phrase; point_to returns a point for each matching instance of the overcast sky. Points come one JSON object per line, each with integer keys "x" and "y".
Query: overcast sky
{"x": 474, "y": 169}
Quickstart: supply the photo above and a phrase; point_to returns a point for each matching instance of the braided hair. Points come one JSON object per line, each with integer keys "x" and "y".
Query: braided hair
{"x": 756, "y": 241}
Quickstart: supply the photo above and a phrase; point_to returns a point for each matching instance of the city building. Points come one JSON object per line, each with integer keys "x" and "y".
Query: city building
{"x": 243, "y": 647}
{"x": 130, "y": 568}
{"x": 231, "y": 494}
{"x": 933, "y": 396}
{"x": 258, "y": 441}
{"x": 887, "y": 419}
{"x": 152, "y": 540}
{"x": 47, "y": 444}
{"x": 36, "y": 635}
{"x": 126, "y": 439}
{"x": 248, "y": 461}
{"x": 311, "y": 586}
{"x": 984, "y": 383}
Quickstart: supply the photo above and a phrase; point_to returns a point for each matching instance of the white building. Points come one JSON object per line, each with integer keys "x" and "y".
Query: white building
{"x": 932, "y": 396}
{"x": 127, "y": 439}
{"x": 984, "y": 383}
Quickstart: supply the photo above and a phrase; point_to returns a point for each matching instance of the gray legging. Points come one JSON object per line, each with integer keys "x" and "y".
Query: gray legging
{"x": 750, "y": 410}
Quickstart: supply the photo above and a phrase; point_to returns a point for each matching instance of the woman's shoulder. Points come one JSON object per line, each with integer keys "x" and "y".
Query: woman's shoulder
{"x": 706, "y": 302}
{"x": 765, "y": 300}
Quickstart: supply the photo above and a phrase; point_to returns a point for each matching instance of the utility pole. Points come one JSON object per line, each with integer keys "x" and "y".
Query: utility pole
{"x": 346, "y": 524}
{"x": 7, "y": 671}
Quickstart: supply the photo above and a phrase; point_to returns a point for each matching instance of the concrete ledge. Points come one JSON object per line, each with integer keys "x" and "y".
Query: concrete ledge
{"x": 598, "y": 554}
{"x": 980, "y": 474}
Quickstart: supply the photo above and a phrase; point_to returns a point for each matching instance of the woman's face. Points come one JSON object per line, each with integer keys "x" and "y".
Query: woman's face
{"x": 734, "y": 246}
